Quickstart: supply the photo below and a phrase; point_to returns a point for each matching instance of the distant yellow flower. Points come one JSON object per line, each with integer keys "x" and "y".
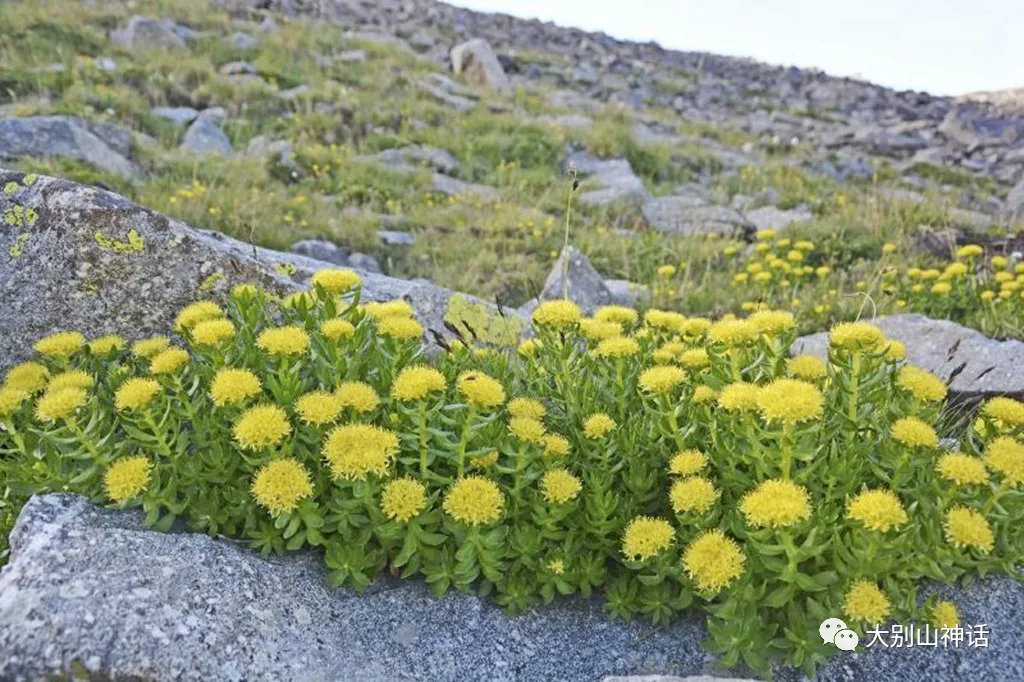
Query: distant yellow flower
{"x": 807, "y": 367}
{"x": 913, "y": 432}
{"x": 1006, "y": 410}
{"x": 921, "y": 383}
{"x": 895, "y": 350}
{"x": 713, "y": 561}
{"x": 661, "y": 380}
{"x": 555, "y": 445}
{"x": 962, "y": 469}
{"x": 474, "y": 500}
{"x": 395, "y": 308}
{"x": 193, "y": 314}
{"x": 529, "y": 348}
{"x": 147, "y": 348}
{"x": 687, "y": 462}
{"x": 865, "y": 602}
{"x": 856, "y": 336}
{"x": 969, "y": 251}
{"x": 878, "y": 510}
{"x": 773, "y": 322}
{"x": 355, "y": 451}
{"x": 599, "y": 330}
{"x": 619, "y": 347}
{"x": 336, "y": 281}
{"x": 280, "y": 484}
{"x": 28, "y": 376}
{"x": 941, "y": 288}
{"x": 734, "y": 332}
{"x": 645, "y": 537}
{"x": 703, "y": 394}
{"x": 739, "y": 396}
{"x": 526, "y": 429}
{"x": 558, "y": 314}
{"x": 790, "y": 401}
{"x": 945, "y": 615}
{"x": 1000, "y": 262}
{"x": 666, "y": 320}
{"x": 11, "y": 400}
{"x": 358, "y": 395}
{"x": 60, "y": 404}
{"x": 766, "y": 235}
{"x": 598, "y": 426}
{"x": 282, "y": 341}
{"x": 169, "y": 361}
{"x": 61, "y": 345}
{"x": 559, "y": 486}
{"x": 557, "y": 566}
{"x": 318, "y": 407}
{"x": 136, "y": 394}
{"x": 230, "y": 386}
{"x": 127, "y": 478}
{"x": 400, "y": 328}
{"x": 1006, "y": 456}
{"x": 695, "y": 493}
{"x": 617, "y": 313}
{"x": 695, "y": 358}
{"x": 693, "y": 327}
{"x": 776, "y": 503}
{"x": 416, "y": 383}
{"x": 968, "y": 528}
{"x": 261, "y": 426}
{"x": 666, "y": 270}
{"x": 480, "y": 389}
{"x": 403, "y": 499}
{"x": 526, "y": 407}
{"x": 888, "y": 247}
{"x": 213, "y": 332}
{"x": 106, "y": 344}
{"x": 72, "y": 379}
{"x": 485, "y": 461}
{"x": 336, "y": 328}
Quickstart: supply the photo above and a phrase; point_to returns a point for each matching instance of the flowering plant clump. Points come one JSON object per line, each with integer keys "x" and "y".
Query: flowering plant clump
{"x": 665, "y": 462}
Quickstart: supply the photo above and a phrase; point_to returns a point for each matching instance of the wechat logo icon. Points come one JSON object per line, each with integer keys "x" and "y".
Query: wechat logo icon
{"x": 834, "y": 631}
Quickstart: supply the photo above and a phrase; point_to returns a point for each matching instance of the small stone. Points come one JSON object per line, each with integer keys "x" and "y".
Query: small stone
{"x": 204, "y": 138}
{"x": 396, "y": 237}
{"x": 364, "y": 262}
{"x": 179, "y": 116}
{"x": 322, "y": 250}
{"x": 244, "y": 41}
{"x": 772, "y": 218}
{"x": 148, "y": 33}
{"x": 475, "y": 60}
{"x": 585, "y": 285}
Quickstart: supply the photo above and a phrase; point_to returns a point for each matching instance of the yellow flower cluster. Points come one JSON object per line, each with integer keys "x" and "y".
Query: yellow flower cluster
{"x": 356, "y": 451}
{"x": 474, "y": 500}
{"x": 280, "y": 484}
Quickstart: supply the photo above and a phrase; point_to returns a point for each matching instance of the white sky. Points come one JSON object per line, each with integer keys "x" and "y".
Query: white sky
{"x": 946, "y": 47}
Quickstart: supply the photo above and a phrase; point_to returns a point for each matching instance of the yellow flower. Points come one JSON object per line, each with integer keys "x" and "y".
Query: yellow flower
{"x": 193, "y": 314}
{"x": 416, "y": 382}
{"x": 403, "y": 498}
{"x": 400, "y": 328}
{"x": 598, "y": 330}
{"x": 1006, "y": 456}
{"x": 318, "y": 407}
{"x": 261, "y": 426}
{"x": 1000, "y": 262}
{"x": 877, "y": 509}
{"x": 687, "y": 462}
{"x": 213, "y": 332}
{"x": 559, "y": 486}
{"x": 598, "y": 426}
{"x": 666, "y": 270}
{"x": 127, "y": 478}
{"x": 865, "y": 602}
{"x": 773, "y": 322}
{"x": 921, "y": 383}
{"x": 888, "y": 247}
{"x": 941, "y": 288}
{"x": 703, "y": 394}
{"x": 713, "y": 561}
{"x": 358, "y": 395}
{"x": 664, "y": 319}
{"x": 856, "y": 336}
{"x": 28, "y": 376}
{"x": 617, "y": 313}
{"x": 60, "y": 404}
{"x": 558, "y": 314}
{"x": 136, "y": 394}
{"x": 484, "y": 461}
{"x": 150, "y": 347}
{"x": 355, "y": 451}
{"x": 474, "y": 500}
{"x": 529, "y": 348}
{"x": 299, "y": 300}
{"x": 61, "y": 345}
{"x": 555, "y": 445}
{"x": 895, "y": 351}
{"x": 106, "y": 344}
{"x": 645, "y": 537}
{"x": 739, "y": 396}
{"x": 967, "y": 528}
{"x": 337, "y": 328}
{"x": 73, "y": 379}
{"x": 695, "y": 493}
{"x": 945, "y": 615}
{"x": 381, "y": 310}
{"x": 619, "y": 347}
{"x": 661, "y": 380}
{"x": 283, "y": 340}
{"x": 11, "y": 400}
{"x": 230, "y": 386}
{"x": 280, "y": 484}
{"x": 962, "y": 469}
{"x": 807, "y": 367}
{"x": 480, "y": 389}
{"x": 556, "y": 566}
{"x": 336, "y": 281}
{"x": 734, "y": 332}
{"x": 694, "y": 327}
{"x": 526, "y": 429}
{"x": 790, "y": 401}
{"x": 526, "y": 407}
{"x": 695, "y": 358}
{"x": 246, "y": 291}
{"x": 969, "y": 251}
{"x": 913, "y": 432}
{"x": 776, "y": 503}
{"x": 1006, "y": 410}
{"x": 169, "y": 361}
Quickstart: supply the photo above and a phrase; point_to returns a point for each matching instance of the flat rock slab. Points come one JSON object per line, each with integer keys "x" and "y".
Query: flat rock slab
{"x": 102, "y": 145}
{"x": 92, "y": 588}
{"x": 990, "y": 367}
{"x": 689, "y": 216}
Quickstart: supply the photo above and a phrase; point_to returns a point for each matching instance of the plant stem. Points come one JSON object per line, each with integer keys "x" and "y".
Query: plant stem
{"x": 423, "y": 440}
{"x": 674, "y": 424}
{"x": 995, "y": 498}
{"x": 464, "y": 440}
{"x": 787, "y": 448}
{"x": 158, "y": 433}
{"x": 854, "y": 386}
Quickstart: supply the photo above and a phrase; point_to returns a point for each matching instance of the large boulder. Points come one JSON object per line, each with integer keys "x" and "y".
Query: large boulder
{"x": 980, "y": 367}
{"x": 584, "y": 284}
{"x": 689, "y": 215}
{"x": 477, "y": 63}
{"x": 205, "y": 138}
{"x": 613, "y": 179}
{"x": 91, "y": 260}
{"x": 148, "y": 33}
{"x": 773, "y": 218}
{"x": 103, "y": 145}
{"x": 1014, "y": 207}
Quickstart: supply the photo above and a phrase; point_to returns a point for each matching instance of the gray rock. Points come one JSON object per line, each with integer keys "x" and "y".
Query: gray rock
{"x": 1014, "y": 206}
{"x": 571, "y": 121}
{"x": 477, "y": 63}
{"x": 179, "y": 116}
{"x": 363, "y": 262}
{"x": 452, "y": 187}
{"x": 990, "y": 367}
{"x": 688, "y": 215}
{"x": 204, "y": 138}
{"x": 770, "y": 217}
{"x": 585, "y": 285}
{"x": 351, "y": 56}
{"x": 628, "y": 293}
{"x": 295, "y": 93}
{"x": 614, "y": 179}
{"x": 65, "y": 279}
{"x": 970, "y": 219}
{"x": 244, "y": 41}
{"x": 238, "y": 69}
{"x": 396, "y": 237}
{"x": 105, "y": 64}
{"x": 440, "y": 160}
{"x": 322, "y": 250}
{"x": 446, "y": 91}
{"x": 103, "y": 145}
{"x": 380, "y": 38}
{"x": 147, "y": 33}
